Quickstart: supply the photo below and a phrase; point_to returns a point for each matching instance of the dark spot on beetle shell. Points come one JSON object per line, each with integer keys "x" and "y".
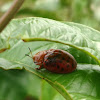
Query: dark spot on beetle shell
{"x": 57, "y": 66}
{"x": 58, "y": 55}
{"x": 68, "y": 59}
{"x": 46, "y": 63}
{"x": 72, "y": 65}
{"x": 67, "y": 65}
{"x": 59, "y": 51}
{"x": 49, "y": 60}
{"x": 63, "y": 58}
{"x": 53, "y": 59}
{"x": 62, "y": 69}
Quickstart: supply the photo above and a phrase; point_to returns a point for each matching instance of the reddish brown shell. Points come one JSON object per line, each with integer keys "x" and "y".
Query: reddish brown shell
{"x": 56, "y": 60}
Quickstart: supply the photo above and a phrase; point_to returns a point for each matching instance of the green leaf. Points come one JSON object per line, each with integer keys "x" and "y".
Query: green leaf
{"x": 11, "y": 86}
{"x": 18, "y": 85}
{"x": 81, "y": 84}
{"x": 75, "y": 34}
{"x": 49, "y": 93}
{"x": 82, "y": 42}
{"x": 33, "y": 87}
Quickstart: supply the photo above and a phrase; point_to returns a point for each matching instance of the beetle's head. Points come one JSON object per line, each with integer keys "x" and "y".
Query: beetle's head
{"x": 38, "y": 58}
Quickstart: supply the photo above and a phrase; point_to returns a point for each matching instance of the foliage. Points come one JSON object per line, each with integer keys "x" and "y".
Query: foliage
{"x": 82, "y": 42}
{"x": 18, "y": 85}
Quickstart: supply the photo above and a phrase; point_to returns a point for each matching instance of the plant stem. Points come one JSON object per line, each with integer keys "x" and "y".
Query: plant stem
{"x": 56, "y": 41}
{"x": 5, "y": 19}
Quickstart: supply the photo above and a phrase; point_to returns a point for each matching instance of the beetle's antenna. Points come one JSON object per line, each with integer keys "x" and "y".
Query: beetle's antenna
{"x": 30, "y": 52}
{"x": 28, "y": 55}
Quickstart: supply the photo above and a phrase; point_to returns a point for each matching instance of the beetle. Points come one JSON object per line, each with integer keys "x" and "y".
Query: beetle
{"x": 55, "y": 60}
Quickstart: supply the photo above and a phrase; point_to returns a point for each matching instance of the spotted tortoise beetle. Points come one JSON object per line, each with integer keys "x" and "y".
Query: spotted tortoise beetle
{"x": 55, "y": 60}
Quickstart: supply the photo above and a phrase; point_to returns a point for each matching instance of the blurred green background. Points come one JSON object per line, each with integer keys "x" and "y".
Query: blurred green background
{"x": 80, "y": 11}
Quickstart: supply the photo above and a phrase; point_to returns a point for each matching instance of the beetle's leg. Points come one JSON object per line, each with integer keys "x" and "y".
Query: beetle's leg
{"x": 39, "y": 67}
